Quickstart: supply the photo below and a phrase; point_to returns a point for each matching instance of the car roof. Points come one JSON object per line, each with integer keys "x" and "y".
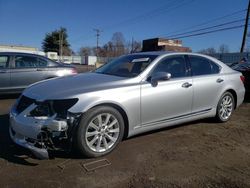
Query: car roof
{"x": 159, "y": 53}
{"x": 20, "y": 53}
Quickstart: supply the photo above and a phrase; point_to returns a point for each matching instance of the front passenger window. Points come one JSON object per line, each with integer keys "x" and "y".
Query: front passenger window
{"x": 174, "y": 65}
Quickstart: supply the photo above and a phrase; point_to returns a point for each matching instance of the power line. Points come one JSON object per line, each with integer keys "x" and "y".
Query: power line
{"x": 206, "y": 28}
{"x": 209, "y": 21}
{"x": 170, "y": 6}
{"x": 208, "y": 32}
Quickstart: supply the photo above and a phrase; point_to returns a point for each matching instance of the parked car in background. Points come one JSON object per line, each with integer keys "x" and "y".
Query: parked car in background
{"x": 244, "y": 68}
{"x": 128, "y": 96}
{"x": 19, "y": 70}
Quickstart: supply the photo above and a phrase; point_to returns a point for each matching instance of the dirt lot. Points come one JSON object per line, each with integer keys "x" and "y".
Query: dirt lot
{"x": 198, "y": 154}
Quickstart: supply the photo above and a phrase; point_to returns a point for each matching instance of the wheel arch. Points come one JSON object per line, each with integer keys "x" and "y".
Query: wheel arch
{"x": 121, "y": 111}
{"x": 234, "y": 95}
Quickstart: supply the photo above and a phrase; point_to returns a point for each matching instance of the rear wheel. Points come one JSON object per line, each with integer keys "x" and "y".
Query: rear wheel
{"x": 225, "y": 107}
{"x": 99, "y": 132}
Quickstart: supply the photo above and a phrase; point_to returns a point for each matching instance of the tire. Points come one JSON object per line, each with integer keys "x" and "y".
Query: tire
{"x": 99, "y": 131}
{"x": 225, "y": 107}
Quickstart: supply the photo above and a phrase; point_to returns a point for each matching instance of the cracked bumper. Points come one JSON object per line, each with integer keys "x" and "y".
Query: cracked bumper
{"x": 22, "y": 130}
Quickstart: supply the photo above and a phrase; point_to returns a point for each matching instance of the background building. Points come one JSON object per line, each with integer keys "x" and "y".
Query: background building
{"x": 160, "y": 44}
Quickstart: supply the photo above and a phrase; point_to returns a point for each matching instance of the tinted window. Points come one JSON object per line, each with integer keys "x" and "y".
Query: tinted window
{"x": 215, "y": 68}
{"x": 174, "y": 65}
{"x": 42, "y": 62}
{"x": 52, "y": 63}
{"x": 3, "y": 61}
{"x": 29, "y": 62}
{"x": 203, "y": 66}
{"x": 25, "y": 61}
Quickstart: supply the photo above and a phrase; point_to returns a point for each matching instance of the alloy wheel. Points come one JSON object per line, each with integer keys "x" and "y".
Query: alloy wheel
{"x": 102, "y": 132}
{"x": 226, "y": 107}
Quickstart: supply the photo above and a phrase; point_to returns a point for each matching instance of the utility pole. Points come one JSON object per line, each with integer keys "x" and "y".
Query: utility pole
{"x": 132, "y": 45}
{"x": 245, "y": 30}
{"x": 98, "y": 31}
{"x": 61, "y": 44}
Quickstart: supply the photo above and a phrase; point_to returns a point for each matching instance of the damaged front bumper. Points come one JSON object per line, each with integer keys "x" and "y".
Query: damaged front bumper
{"x": 39, "y": 134}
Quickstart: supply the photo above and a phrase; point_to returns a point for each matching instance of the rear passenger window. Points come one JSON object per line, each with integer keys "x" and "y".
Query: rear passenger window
{"x": 203, "y": 66}
{"x": 215, "y": 68}
{"x": 42, "y": 63}
{"x": 3, "y": 62}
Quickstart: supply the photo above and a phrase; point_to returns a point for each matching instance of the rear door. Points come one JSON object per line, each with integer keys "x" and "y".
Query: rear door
{"x": 4, "y": 72}
{"x": 206, "y": 82}
{"x": 48, "y": 67}
{"x": 26, "y": 71}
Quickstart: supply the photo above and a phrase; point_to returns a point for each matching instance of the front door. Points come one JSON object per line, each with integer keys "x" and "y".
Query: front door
{"x": 170, "y": 99}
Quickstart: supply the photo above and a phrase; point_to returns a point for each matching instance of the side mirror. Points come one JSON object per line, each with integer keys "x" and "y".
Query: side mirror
{"x": 159, "y": 76}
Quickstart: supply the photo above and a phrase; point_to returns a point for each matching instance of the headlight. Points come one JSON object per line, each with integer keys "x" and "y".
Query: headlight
{"x": 51, "y": 107}
{"x": 61, "y": 106}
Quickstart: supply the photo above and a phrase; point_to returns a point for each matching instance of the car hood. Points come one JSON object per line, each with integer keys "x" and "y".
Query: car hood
{"x": 69, "y": 86}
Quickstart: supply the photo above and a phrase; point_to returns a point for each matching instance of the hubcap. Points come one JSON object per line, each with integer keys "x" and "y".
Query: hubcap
{"x": 226, "y": 107}
{"x": 102, "y": 132}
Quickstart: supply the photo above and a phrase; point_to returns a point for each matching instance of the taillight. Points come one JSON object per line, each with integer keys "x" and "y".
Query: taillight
{"x": 74, "y": 71}
{"x": 242, "y": 78}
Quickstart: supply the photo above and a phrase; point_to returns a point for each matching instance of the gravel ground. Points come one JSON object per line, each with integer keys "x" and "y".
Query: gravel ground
{"x": 197, "y": 154}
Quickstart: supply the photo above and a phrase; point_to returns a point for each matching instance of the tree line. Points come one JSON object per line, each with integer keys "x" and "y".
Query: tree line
{"x": 57, "y": 41}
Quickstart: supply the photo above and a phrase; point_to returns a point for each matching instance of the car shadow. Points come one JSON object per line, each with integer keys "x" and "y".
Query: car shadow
{"x": 9, "y": 96}
{"x": 247, "y": 97}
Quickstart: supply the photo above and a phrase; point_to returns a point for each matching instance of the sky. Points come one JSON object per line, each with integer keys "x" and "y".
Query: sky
{"x": 25, "y": 22}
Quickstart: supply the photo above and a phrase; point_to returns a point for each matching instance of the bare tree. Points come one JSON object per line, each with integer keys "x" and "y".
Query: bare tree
{"x": 209, "y": 51}
{"x": 118, "y": 42}
{"x": 136, "y": 46}
{"x": 223, "y": 49}
{"x": 85, "y": 51}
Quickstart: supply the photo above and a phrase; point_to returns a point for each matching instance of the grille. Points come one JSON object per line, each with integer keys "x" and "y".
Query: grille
{"x": 23, "y": 103}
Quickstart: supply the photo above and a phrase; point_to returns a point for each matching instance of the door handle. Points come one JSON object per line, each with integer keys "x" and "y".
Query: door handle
{"x": 186, "y": 85}
{"x": 219, "y": 80}
{"x": 39, "y": 69}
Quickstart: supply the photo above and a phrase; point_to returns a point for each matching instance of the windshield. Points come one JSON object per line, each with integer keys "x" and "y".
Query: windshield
{"x": 127, "y": 66}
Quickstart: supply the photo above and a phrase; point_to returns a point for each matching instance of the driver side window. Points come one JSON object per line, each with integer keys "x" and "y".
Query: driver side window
{"x": 175, "y": 65}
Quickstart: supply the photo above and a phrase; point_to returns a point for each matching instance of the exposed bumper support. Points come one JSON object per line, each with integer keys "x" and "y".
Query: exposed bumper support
{"x": 40, "y": 153}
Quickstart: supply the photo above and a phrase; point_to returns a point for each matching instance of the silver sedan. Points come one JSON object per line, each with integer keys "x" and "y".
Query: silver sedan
{"x": 131, "y": 95}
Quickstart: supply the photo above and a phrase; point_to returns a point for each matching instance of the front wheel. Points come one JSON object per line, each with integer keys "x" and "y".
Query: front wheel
{"x": 99, "y": 131}
{"x": 225, "y": 107}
